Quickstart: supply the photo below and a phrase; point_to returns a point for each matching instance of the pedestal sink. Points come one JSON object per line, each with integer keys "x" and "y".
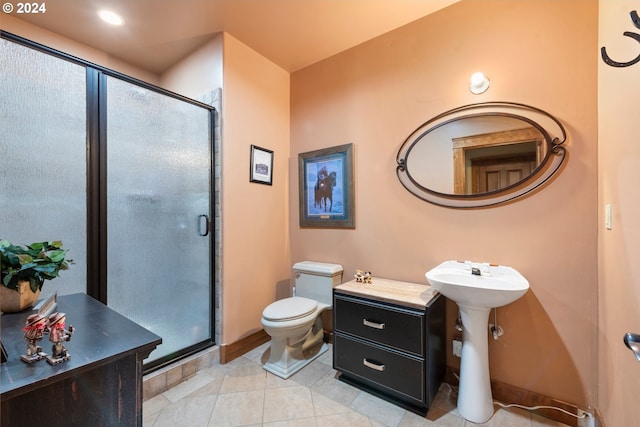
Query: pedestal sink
{"x": 476, "y": 288}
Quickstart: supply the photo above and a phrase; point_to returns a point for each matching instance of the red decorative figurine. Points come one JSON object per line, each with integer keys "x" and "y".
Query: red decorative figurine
{"x": 34, "y": 330}
{"x": 57, "y": 334}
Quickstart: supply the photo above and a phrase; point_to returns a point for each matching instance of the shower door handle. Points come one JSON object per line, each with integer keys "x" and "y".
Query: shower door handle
{"x": 203, "y": 219}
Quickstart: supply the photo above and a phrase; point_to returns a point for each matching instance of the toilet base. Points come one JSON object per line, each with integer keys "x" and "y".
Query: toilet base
{"x": 288, "y": 363}
{"x": 288, "y": 355}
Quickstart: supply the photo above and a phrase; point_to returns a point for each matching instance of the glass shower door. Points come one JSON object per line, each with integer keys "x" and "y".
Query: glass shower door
{"x": 159, "y": 246}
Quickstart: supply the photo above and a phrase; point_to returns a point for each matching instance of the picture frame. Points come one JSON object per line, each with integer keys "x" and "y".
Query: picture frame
{"x": 326, "y": 194}
{"x": 261, "y": 165}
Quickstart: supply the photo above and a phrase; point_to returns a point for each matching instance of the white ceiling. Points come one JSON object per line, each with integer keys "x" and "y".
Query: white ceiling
{"x": 291, "y": 33}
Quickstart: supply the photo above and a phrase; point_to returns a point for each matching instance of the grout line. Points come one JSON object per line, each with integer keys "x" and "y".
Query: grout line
{"x": 264, "y": 397}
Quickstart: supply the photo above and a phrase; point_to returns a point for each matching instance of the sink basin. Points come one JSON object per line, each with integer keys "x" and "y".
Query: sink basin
{"x": 497, "y": 285}
{"x": 476, "y": 288}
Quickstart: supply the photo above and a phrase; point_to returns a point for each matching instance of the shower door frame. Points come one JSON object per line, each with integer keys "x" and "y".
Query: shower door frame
{"x": 96, "y": 182}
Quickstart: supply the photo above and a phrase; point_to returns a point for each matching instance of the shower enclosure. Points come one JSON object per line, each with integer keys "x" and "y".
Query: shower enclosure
{"x": 121, "y": 171}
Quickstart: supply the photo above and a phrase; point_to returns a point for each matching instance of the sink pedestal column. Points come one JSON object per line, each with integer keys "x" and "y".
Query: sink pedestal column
{"x": 475, "y": 402}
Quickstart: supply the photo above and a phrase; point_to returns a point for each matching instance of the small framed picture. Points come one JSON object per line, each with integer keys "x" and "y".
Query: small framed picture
{"x": 326, "y": 187}
{"x": 261, "y": 165}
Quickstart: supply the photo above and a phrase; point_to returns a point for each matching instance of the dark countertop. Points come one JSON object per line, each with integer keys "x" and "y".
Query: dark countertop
{"x": 101, "y": 336}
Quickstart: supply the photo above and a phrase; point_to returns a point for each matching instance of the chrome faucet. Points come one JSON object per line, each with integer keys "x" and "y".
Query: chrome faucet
{"x": 478, "y": 269}
{"x": 632, "y": 341}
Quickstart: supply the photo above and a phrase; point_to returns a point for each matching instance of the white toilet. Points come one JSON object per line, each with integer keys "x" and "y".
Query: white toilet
{"x": 294, "y": 323}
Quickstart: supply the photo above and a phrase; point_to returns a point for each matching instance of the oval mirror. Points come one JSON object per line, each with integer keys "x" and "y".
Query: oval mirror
{"x": 481, "y": 154}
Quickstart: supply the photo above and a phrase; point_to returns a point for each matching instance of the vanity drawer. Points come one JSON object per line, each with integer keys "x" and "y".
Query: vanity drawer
{"x": 389, "y": 370}
{"x": 399, "y": 328}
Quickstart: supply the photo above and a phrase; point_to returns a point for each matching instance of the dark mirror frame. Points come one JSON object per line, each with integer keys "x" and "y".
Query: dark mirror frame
{"x": 552, "y": 130}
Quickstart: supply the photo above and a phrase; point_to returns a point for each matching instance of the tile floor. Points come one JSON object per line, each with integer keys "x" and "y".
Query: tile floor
{"x": 241, "y": 393}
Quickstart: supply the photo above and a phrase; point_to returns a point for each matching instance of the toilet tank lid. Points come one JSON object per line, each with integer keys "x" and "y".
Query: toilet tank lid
{"x": 321, "y": 268}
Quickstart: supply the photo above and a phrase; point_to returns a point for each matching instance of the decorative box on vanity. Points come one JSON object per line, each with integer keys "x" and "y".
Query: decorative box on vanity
{"x": 389, "y": 339}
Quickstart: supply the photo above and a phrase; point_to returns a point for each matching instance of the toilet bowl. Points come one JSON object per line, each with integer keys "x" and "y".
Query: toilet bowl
{"x": 294, "y": 324}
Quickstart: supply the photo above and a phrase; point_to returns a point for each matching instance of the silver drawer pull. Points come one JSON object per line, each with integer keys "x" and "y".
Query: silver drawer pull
{"x": 372, "y": 365}
{"x": 371, "y": 324}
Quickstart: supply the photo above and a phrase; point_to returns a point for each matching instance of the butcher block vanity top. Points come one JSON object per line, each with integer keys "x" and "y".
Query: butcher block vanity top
{"x": 392, "y": 291}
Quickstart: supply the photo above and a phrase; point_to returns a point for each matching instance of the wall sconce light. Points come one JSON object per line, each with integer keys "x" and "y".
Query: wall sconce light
{"x": 479, "y": 83}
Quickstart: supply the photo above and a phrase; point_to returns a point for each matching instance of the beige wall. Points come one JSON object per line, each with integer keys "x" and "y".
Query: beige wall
{"x": 541, "y": 53}
{"x": 255, "y": 220}
{"x": 197, "y": 74}
{"x": 619, "y": 250}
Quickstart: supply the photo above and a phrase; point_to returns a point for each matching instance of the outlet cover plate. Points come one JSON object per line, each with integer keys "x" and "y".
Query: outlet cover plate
{"x": 457, "y": 348}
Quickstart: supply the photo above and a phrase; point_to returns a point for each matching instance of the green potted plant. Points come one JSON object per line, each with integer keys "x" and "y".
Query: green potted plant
{"x": 24, "y": 270}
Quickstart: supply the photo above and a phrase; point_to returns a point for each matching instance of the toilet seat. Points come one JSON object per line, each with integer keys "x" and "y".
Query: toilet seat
{"x": 289, "y": 309}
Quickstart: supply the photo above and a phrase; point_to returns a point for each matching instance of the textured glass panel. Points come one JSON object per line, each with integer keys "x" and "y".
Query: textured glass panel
{"x": 158, "y": 184}
{"x": 43, "y": 155}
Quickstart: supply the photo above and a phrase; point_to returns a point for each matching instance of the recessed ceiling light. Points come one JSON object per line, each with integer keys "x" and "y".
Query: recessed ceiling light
{"x": 110, "y": 17}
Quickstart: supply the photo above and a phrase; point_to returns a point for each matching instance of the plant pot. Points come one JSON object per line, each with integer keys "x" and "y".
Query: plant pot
{"x": 13, "y": 301}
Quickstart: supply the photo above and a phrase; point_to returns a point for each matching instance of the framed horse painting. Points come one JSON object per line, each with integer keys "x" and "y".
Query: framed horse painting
{"x": 326, "y": 187}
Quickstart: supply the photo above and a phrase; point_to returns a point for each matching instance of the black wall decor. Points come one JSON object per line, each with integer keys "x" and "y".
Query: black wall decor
{"x": 605, "y": 57}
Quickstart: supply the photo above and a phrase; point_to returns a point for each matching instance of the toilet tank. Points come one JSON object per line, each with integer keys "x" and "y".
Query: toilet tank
{"x": 316, "y": 280}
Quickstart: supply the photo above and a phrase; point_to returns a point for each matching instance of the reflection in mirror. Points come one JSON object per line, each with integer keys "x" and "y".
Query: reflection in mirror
{"x": 481, "y": 154}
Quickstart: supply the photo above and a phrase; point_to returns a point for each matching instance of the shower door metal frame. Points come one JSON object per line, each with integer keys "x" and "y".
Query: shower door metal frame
{"x": 96, "y": 195}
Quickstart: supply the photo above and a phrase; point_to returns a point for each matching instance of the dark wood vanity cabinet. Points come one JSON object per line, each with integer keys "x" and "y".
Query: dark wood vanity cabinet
{"x": 392, "y": 350}
{"x": 100, "y": 386}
